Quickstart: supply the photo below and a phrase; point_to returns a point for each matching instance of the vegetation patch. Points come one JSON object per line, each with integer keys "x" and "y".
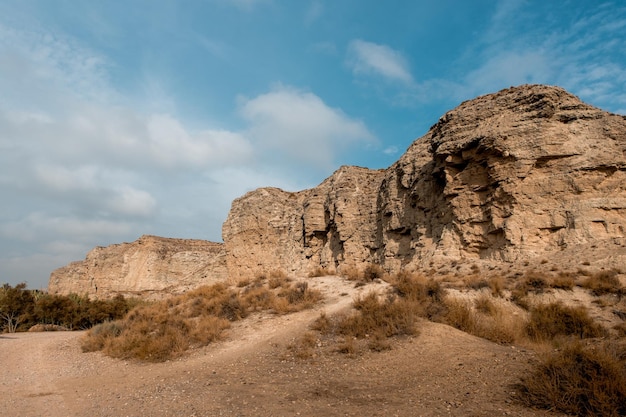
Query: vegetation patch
{"x": 553, "y": 320}
{"x": 579, "y": 380}
{"x": 21, "y": 309}
{"x": 166, "y": 329}
{"x": 604, "y": 282}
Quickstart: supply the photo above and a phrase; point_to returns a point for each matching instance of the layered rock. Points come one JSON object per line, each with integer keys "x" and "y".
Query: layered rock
{"x": 332, "y": 224}
{"x": 150, "y": 267}
{"x": 507, "y": 176}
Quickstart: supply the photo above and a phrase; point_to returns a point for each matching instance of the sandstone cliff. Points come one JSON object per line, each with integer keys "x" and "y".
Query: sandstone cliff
{"x": 150, "y": 267}
{"x": 527, "y": 171}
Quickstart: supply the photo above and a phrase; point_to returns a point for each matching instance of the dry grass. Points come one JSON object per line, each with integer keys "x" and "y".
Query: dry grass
{"x": 604, "y": 282}
{"x": 166, "y": 329}
{"x": 579, "y": 380}
{"x": 377, "y": 318}
{"x": 486, "y": 317}
{"x": 550, "y": 321}
{"x": 303, "y": 347}
{"x": 532, "y": 282}
{"x": 321, "y": 272}
{"x": 388, "y": 317}
{"x": 563, "y": 281}
{"x": 475, "y": 281}
{"x": 497, "y": 285}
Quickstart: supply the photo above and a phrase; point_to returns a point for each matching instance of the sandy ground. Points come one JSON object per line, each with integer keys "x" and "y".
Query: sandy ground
{"x": 440, "y": 372}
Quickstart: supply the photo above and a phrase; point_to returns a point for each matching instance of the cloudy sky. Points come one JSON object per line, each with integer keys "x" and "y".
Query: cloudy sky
{"x": 122, "y": 118}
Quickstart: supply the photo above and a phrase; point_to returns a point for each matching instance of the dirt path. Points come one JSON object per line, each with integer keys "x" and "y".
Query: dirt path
{"x": 440, "y": 372}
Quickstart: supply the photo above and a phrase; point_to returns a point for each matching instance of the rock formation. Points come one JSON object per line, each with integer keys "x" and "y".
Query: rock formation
{"x": 150, "y": 267}
{"x": 529, "y": 171}
{"x": 507, "y": 176}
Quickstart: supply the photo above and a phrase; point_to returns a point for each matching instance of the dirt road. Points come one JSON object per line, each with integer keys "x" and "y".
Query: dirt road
{"x": 441, "y": 372}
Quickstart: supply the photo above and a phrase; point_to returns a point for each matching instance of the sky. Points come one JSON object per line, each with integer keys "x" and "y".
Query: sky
{"x": 121, "y": 118}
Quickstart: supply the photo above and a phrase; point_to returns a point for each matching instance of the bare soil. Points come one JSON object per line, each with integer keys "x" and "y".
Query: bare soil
{"x": 440, "y": 372}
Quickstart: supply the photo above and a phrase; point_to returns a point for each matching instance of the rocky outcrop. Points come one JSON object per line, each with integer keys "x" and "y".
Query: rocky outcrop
{"x": 526, "y": 171}
{"x": 150, "y": 267}
{"x": 332, "y": 224}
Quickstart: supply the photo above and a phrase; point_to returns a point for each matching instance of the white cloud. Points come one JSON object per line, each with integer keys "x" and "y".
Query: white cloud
{"x": 132, "y": 202}
{"x": 171, "y": 144}
{"x": 80, "y": 165}
{"x": 390, "y": 150}
{"x": 372, "y": 58}
{"x": 300, "y": 125}
{"x": 314, "y": 12}
{"x": 512, "y": 68}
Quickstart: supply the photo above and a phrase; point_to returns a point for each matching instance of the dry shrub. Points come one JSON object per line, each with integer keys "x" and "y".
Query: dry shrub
{"x": 486, "y": 305}
{"x": 166, "y": 329}
{"x": 302, "y": 348}
{"x": 487, "y": 319}
{"x": 459, "y": 315}
{"x": 295, "y": 298}
{"x": 389, "y": 317}
{"x": 563, "y": 281}
{"x": 207, "y": 329}
{"x": 348, "y": 346}
{"x": 320, "y": 272}
{"x": 620, "y": 329}
{"x": 377, "y": 318}
{"x": 497, "y": 284}
{"x": 552, "y": 320}
{"x": 378, "y": 342}
{"x": 100, "y": 334}
{"x": 243, "y": 282}
{"x": 351, "y": 273}
{"x": 258, "y": 298}
{"x": 533, "y": 282}
{"x": 278, "y": 279}
{"x": 476, "y": 282}
{"x": 322, "y": 323}
{"x": 150, "y": 334}
{"x": 372, "y": 272}
{"x": 426, "y": 295}
{"x": 604, "y": 282}
{"x": 579, "y": 380}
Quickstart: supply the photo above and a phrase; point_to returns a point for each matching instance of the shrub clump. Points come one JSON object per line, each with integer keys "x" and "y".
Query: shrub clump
{"x": 604, "y": 282}
{"x": 579, "y": 380}
{"x": 484, "y": 318}
{"x": 166, "y": 329}
{"x": 552, "y": 320}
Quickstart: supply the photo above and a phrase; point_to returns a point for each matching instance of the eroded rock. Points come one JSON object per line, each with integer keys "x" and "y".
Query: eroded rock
{"x": 504, "y": 177}
{"x": 150, "y": 267}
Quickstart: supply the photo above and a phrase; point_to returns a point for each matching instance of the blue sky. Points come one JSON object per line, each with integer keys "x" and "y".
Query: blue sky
{"x": 123, "y": 118}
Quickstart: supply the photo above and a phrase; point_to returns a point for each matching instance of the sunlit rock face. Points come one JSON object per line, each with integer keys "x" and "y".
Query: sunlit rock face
{"x": 150, "y": 267}
{"x": 507, "y": 176}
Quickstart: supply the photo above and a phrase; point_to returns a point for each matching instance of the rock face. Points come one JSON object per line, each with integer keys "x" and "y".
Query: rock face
{"x": 334, "y": 223}
{"x": 150, "y": 267}
{"x": 524, "y": 172}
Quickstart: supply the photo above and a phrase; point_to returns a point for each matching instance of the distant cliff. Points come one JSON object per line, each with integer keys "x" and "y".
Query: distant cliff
{"x": 150, "y": 267}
